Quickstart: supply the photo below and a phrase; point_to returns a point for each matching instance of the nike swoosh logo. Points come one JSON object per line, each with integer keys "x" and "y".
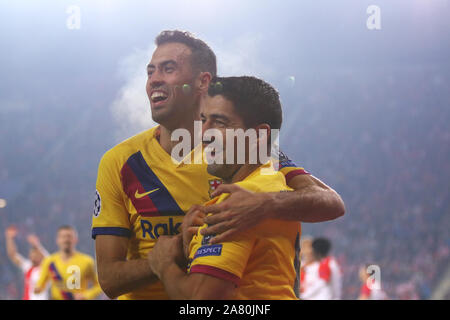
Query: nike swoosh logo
{"x": 138, "y": 195}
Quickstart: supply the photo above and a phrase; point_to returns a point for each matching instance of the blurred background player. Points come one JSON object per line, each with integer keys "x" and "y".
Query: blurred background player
{"x": 31, "y": 266}
{"x": 368, "y": 290}
{"x": 306, "y": 257}
{"x": 322, "y": 277}
{"x": 69, "y": 271}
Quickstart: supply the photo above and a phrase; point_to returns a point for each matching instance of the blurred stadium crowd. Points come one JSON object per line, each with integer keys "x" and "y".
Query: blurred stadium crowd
{"x": 379, "y": 137}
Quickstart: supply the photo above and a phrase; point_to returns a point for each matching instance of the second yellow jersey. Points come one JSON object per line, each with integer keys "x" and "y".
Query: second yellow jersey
{"x": 76, "y": 275}
{"x": 263, "y": 262}
{"x": 142, "y": 194}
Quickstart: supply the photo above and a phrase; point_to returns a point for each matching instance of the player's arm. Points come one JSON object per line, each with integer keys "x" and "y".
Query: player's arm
{"x": 165, "y": 260}
{"x": 116, "y": 274}
{"x": 95, "y": 290}
{"x": 111, "y": 231}
{"x": 43, "y": 276}
{"x": 35, "y": 243}
{"x": 311, "y": 201}
{"x": 11, "y": 247}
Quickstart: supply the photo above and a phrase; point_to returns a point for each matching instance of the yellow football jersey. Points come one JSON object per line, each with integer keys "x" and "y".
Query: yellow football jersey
{"x": 263, "y": 262}
{"x": 69, "y": 277}
{"x": 142, "y": 194}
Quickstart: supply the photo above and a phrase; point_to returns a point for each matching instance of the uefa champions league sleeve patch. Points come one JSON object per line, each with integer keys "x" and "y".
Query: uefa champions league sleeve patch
{"x": 97, "y": 204}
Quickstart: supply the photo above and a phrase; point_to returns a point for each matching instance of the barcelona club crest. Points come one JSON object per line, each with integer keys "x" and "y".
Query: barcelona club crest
{"x": 213, "y": 184}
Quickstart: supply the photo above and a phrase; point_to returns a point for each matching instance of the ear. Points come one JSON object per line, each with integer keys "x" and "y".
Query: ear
{"x": 203, "y": 81}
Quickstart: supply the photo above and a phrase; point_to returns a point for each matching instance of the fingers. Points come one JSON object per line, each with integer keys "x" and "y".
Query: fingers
{"x": 217, "y": 228}
{"x": 214, "y": 208}
{"x": 218, "y": 218}
{"x": 194, "y": 216}
{"x": 192, "y": 230}
{"x": 11, "y": 231}
{"x": 32, "y": 239}
{"x": 193, "y": 209}
{"x": 223, "y": 237}
{"x": 225, "y": 188}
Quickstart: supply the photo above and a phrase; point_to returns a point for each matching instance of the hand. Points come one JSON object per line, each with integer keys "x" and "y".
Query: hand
{"x": 11, "y": 232}
{"x": 241, "y": 211}
{"x": 167, "y": 250}
{"x": 79, "y": 296}
{"x": 191, "y": 222}
{"x": 33, "y": 240}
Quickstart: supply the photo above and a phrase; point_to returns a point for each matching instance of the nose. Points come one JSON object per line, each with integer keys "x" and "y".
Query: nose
{"x": 156, "y": 79}
{"x": 209, "y": 137}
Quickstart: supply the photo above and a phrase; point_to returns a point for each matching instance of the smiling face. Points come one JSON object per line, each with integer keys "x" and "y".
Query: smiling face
{"x": 218, "y": 113}
{"x": 171, "y": 85}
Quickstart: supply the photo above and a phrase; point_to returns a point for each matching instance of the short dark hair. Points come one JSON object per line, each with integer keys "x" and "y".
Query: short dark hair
{"x": 254, "y": 100}
{"x": 203, "y": 58}
{"x": 321, "y": 247}
{"x": 66, "y": 227}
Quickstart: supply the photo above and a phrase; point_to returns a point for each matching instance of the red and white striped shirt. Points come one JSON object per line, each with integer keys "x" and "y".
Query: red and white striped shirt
{"x": 31, "y": 274}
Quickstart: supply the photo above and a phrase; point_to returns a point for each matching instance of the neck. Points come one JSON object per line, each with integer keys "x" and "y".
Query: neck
{"x": 243, "y": 172}
{"x": 66, "y": 254}
{"x": 186, "y": 123}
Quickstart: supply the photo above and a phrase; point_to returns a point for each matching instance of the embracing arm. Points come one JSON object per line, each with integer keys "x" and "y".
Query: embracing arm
{"x": 116, "y": 274}
{"x": 311, "y": 201}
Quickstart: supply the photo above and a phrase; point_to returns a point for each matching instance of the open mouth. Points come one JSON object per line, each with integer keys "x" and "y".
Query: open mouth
{"x": 158, "y": 97}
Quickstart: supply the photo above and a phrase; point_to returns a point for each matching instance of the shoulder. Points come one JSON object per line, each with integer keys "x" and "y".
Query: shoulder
{"x": 50, "y": 258}
{"x": 120, "y": 152}
{"x": 271, "y": 182}
{"x": 84, "y": 257}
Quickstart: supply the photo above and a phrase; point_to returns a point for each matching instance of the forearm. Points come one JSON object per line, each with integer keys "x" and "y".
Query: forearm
{"x": 42, "y": 250}
{"x": 310, "y": 204}
{"x": 11, "y": 250}
{"x": 40, "y": 284}
{"x": 120, "y": 277}
{"x": 176, "y": 283}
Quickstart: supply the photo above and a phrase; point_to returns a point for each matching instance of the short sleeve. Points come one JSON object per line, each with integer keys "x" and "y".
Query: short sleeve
{"x": 287, "y": 167}
{"x": 43, "y": 274}
{"x": 225, "y": 260}
{"x": 110, "y": 216}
